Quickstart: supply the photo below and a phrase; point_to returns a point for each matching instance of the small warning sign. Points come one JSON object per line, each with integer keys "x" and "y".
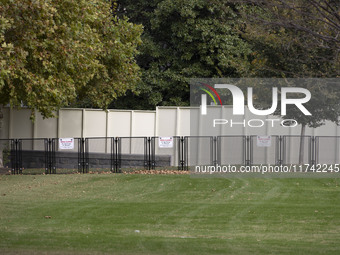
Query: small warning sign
{"x": 264, "y": 141}
{"x": 66, "y": 143}
{"x": 166, "y": 142}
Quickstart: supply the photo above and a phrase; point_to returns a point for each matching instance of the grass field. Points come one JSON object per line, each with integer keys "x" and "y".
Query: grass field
{"x": 167, "y": 214}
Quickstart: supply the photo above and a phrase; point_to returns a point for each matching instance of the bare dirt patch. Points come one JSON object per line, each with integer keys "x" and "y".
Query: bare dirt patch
{"x": 173, "y": 172}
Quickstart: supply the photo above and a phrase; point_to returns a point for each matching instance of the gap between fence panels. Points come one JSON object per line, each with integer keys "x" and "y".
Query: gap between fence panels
{"x": 117, "y": 154}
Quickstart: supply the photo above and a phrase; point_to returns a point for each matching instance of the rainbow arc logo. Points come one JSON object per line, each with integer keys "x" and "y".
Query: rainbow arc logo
{"x": 205, "y": 89}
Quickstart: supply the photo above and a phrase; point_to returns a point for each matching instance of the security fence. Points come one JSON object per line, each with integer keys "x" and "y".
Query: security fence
{"x": 171, "y": 155}
{"x": 113, "y": 154}
{"x": 199, "y": 150}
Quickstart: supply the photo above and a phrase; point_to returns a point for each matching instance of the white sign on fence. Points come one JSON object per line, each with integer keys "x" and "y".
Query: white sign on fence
{"x": 66, "y": 143}
{"x": 166, "y": 142}
{"x": 264, "y": 141}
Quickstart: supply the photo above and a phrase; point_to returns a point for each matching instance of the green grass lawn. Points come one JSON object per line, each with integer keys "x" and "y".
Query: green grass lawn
{"x": 167, "y": 214}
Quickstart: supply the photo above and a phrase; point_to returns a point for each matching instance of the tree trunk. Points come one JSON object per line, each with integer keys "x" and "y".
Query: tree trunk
{"x": 302, "y": 144}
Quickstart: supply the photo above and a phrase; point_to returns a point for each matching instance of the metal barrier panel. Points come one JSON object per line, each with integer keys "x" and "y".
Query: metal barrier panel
{"x": 99, "y": 153}
{"x": 51, "y": 156}
{"x": 166, "y": 152}
{"x": 199, "y": 150}
{"x": 134, "y": 152}
{"x": 268, "y": 153}
{"x": 64, "y": 160}
{"x": 231, "y": 150}
{"x": 291, "y": 149}
{"x": 83, "y": 163}
{"x": 16, "y": 156}
{"x": 33, "y": 153}
{"x": 327, "y": 149}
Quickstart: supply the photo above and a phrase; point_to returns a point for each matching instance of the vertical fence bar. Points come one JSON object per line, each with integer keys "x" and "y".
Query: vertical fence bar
{"x": 284, "y": 155}
{"x": 16, "y": 157}
{"x": 53, "y": 154}
{"x": 186, "y": 152}
{"x": 50, "y": 157}
{"x": 20, "y": 167}
{"x": 312, "y": 150}
{"x": 86, "y": 154}
{"x": 317, "y": 150}
{"x": 47, "y": 156}
{"x": 211, "y": 151}
{"x": 280, "y": 150}
{"x": 247, "y": 148}
{"x": 214, "y": 151}
{"x": 112, "y": 153}
{"x": 310, "y": 159}
{"x": 251, "y": 158}
{"x": 149, "y": 153}
{"x": 277, "y": 150}
{"x": 116, "y": 166}
{"x": 119, "y": 155}
{"x": 244, "y": 150}
{"x": 219, "y": 151}
{"x": 79, "y": 154}
{"x": 82, "y": 162}
{"x": 180, "y": 153}
{"x": 13, "y": 159}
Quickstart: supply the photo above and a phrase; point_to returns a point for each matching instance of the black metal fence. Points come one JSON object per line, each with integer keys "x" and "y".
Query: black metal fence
{"x": 116, "y": 153}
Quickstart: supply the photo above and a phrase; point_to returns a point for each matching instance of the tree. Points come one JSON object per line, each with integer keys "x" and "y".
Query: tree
{"x": 317, "y": 19}
{"x": 293, "y": 38}
{"x": 53, "y": 53}
{"x": 298, "y": 39}
{"x": 182, "y": 40}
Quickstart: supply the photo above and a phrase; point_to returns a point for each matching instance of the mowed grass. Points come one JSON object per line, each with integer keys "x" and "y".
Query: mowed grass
{"x": 167, "y": 214}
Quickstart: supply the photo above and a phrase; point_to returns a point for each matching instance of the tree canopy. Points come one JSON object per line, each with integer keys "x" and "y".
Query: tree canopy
{"x": 53, "y": 53}
{"x": 293, "y": 38}
{"x": 297, "y": 39}
{"x": 182, "y": 40}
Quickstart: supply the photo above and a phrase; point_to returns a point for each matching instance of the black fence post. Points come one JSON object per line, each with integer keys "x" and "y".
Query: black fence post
{"x": 244, "y": 150}
{"x": 284, "y": 145}
{"x": 218, "y": 150}
{"x": 16, "y": 156}
{"x": 19, "y": 150}
{"x": 47, "y": 143}
{"x": 313, "y": 150}
{"x": 317, "y": 149}
{"x": 50, "y": 157}
{"x": 53, "y": 155}
{"x": 153, "y": 152}
{"x": 181, "y": 159}
{"x": 279, "y": 150}
{"x": 214, "y": 156}
{"x": 117, "y": 155}
{"x": 149, "y": 153}
{"x": 79, "y": 155}
{"x": 13, "y": 156}
{"x": 186, "y": 153}
{"x": 248, "y": 150}
{"x": 82, "y": 156}
{"x": 86, "y": 154}
{"x": 112, "y": 154}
